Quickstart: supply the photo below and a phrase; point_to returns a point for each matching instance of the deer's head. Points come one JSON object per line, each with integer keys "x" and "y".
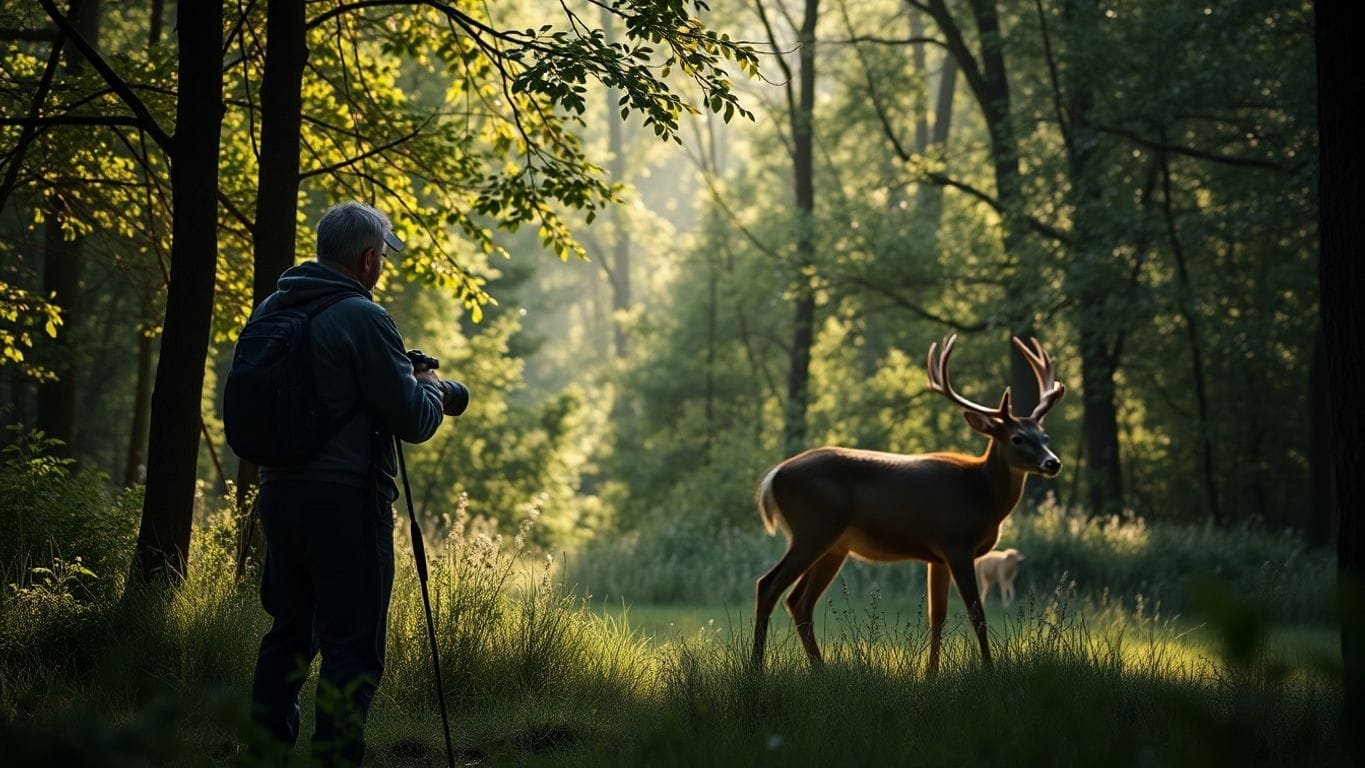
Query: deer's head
{"x": 1021, "y": 440}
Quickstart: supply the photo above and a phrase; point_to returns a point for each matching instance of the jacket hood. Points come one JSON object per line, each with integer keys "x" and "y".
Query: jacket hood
{"x": 313, "y": 280}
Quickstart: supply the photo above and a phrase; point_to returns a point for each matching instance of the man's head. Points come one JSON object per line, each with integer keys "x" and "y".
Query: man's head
{"x": 356, "y": 238}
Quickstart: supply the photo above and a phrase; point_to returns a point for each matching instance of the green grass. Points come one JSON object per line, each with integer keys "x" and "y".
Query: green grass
{"x": 536, "y": 674}
{"x": 669, "y": 685}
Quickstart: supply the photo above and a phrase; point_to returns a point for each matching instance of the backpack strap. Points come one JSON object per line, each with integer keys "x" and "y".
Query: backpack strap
{"x": 315, "y": 309}
{"x": 320, "y": 305}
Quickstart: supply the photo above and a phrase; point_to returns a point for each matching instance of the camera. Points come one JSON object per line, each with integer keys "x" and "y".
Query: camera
{"x": 455, "y": 396}
{"x": 422, "y": 361}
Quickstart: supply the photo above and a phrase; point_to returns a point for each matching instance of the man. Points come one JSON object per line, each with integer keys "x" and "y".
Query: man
{"x": 328, "y": 522}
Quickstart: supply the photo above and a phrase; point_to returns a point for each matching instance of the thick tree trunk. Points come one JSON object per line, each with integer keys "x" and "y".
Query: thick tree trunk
{"x": 277, "y": 196}
{"x": 1341, "y": 282}
{"x": 172, "y": 456}
{"x": 803, "y": 325}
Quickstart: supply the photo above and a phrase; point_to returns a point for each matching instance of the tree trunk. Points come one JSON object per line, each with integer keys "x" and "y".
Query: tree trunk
{"x": 803, "y": 326}
{"x": 277, "y": 196}
{"x": 1341, "y": 282}
{"x": 620, "y": 227}
{"x": 1321, "y": 522}
{"x": 1201, "y": 399}
{"x": 135, "y": 468}
{"x": 63, "y": 265}
{"x": 1100, "y": 423}
{"x": 1091, "y": 276}
{"x": 63, "y": 275}
{"x": 163, "y": 542}
{"x": 154, "y": 24}
{"x": 930, "y": 204}
{"x": 990, "y": 85}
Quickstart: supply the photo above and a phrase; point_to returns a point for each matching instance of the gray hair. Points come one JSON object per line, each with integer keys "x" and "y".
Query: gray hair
{"x": 346, "y": 230}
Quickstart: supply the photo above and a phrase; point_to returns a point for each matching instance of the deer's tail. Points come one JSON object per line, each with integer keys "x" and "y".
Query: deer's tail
{"x": 768, "y": 510}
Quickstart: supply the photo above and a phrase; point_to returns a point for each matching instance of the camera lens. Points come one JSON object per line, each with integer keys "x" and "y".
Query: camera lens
{"x": 456, "y": 399}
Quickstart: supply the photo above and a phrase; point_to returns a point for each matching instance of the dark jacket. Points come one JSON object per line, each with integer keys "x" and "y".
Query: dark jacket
{"x": 359, "y": 359}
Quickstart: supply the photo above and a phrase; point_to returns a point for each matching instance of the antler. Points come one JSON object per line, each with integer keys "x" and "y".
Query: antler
{"x": 1049, "y": 389}
{"x": 937, "y": 365}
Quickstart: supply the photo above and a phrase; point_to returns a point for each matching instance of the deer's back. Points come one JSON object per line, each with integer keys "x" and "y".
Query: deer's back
{"x": 888, "y": 506}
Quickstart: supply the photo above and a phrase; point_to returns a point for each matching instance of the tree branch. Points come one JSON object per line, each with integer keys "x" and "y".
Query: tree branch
{"x": 1041, "y": 228}
{"x": 877, "y": 106}
{"x": 379, "y": 150}
{"x": 30, "y": 132}
{"x": 1198, "y": 154}
{"x": 48, "y": 122}
{"x": 120, "y": 86}
{"x": 1051, "y": 60}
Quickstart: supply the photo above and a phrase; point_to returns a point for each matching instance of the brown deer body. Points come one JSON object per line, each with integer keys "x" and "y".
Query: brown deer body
{"x": 942, "y": 508}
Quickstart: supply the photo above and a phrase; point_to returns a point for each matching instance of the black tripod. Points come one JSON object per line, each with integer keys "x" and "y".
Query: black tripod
{"x": 419, "y": 552}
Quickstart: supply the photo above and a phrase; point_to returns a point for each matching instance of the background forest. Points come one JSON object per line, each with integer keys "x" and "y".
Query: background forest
{"x": 665, "y": 253}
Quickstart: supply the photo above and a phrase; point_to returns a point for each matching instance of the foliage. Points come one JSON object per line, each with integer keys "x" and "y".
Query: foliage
{"x": 52, "y": 514}
{"x": 508, "y": 453}
{"x": 20, "y": 311}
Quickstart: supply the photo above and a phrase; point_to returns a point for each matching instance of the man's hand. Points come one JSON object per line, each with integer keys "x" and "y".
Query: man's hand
{"x": 425, "y": 376}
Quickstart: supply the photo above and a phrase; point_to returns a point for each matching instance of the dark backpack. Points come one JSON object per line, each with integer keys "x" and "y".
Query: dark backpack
{"x": 271, "y": 411}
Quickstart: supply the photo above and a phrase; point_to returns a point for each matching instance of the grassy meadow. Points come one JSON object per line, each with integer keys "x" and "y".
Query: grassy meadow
{"x": 1109, "y": 655}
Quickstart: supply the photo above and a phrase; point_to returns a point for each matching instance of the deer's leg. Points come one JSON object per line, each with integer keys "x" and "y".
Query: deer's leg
{"x": 939, "y": 579}
{"x": 965, "y": 577}
{"x": 804, "y": 597}
{"x": 1006, "y": 591}
{"x": 801, "y": 555}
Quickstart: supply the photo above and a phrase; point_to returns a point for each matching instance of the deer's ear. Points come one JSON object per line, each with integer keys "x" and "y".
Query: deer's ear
{"x": 982, "y": 423}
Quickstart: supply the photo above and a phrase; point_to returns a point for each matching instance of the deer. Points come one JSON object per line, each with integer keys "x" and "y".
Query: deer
{"x": 941, "y": 508}
{"x": 1000, "y": 567}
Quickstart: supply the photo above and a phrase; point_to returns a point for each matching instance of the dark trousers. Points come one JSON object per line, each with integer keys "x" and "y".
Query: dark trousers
{"x": 327, "y": 582}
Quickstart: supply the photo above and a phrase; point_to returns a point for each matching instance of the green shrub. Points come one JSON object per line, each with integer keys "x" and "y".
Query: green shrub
{"x": 49, "y": 511}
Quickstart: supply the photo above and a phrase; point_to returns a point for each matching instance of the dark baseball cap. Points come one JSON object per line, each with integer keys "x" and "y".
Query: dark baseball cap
{"x": 394, "y": 243}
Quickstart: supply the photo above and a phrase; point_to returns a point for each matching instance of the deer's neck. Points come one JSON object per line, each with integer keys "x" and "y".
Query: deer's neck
{"x": 1005, "y": 483}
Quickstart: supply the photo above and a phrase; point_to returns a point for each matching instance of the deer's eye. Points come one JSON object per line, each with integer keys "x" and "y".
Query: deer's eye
{"x": 1017, "y": 440}
{"x": 1044, "y": 439}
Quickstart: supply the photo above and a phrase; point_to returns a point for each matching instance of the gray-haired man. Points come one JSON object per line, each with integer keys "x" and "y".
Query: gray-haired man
{"x": 328, "y": 522}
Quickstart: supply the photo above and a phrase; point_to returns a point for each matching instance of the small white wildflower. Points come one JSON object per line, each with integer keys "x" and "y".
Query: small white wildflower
{"x": 774, "y": 741}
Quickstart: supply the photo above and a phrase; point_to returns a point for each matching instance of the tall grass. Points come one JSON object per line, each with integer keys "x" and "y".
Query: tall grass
{"x": 1110, "y": 559}
{"x": 535, "y": 676}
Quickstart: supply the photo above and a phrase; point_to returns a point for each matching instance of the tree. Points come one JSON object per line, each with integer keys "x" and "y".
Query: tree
{"x": 521, "y": 164}
{"x": 800, "y": 118}
{"x": 64, "y": 268}
{"x": 1341, "y": 276}
{"x": 163, "y": 542}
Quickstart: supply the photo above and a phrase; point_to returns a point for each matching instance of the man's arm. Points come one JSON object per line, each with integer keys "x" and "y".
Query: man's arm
{"x": 407, "y": 405}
